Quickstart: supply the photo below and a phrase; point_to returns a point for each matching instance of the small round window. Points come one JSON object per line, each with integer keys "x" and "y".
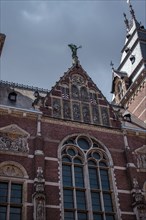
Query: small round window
{"x": 83, "y": 143}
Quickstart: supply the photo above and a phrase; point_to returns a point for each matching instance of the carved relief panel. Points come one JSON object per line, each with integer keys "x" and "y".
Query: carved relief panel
{"x": 10, "y": 170}
{"x": 13, "y": 138}
{"x": 78, "y": 80}
{"x": 140, "y": 157}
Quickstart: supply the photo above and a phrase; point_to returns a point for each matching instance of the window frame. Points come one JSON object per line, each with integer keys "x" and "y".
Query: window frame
{"x": 17, "y": 180}
{"x": 87, "y": 189}
{"x": 10, "y": 204}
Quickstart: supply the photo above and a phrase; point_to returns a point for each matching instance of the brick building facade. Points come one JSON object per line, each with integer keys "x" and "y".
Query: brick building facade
{"x": 68, "y": 154}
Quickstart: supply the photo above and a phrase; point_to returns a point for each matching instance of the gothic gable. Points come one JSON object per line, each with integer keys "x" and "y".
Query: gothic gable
{"x": 76, "y": 97}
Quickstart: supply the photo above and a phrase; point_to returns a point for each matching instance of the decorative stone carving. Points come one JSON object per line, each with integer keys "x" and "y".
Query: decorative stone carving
{"x": 56, "y": 108}
{"x": 10, "y": 170}
{"x": 39, "y": 196}
{"x": 39, "y": 100}
{"x": 13, "y": 130}
{"x": 40, "y": 210}
{"x": 13, "y": 138}
{"x": 19, "y": 144}
{"x": 78, "y": 80}
{"x": 139, "y": 206}
{"x": 74, "y": 49}
{"x": 140, "y": 155}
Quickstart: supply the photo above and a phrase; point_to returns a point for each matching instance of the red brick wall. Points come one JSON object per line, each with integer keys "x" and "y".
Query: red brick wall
{"x": 138, "y": 105}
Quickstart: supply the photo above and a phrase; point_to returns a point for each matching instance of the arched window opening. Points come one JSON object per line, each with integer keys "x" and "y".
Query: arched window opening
{"x": 87, "y": 187}
{"x": 12, "y": 191}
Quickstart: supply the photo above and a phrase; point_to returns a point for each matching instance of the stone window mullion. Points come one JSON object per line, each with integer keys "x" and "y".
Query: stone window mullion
{"x": 88, "y": 194}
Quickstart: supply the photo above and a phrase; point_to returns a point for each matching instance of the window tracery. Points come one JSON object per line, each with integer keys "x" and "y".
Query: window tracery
{"x": 87, "y": 188}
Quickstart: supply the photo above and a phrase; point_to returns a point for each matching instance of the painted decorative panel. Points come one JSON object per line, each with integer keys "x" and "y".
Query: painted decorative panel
{"x": 84, "y": 94}
{"x": 105, "y": 116}
{"x": 56, "y": 108}
{"x": 66, "y": 109}
{"x": 86, "y": 113}
{"x": 93, "y": 98}
{"x": 95, "y": 115}
{"x": 75, "y": 92}
{"x": 65, "y": 92}
{"x": 76, "y": 111}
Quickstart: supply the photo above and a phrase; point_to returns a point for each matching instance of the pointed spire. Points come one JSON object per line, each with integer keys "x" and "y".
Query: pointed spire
{"x": 131, "y": 9}
{"x": 126, "y": 22}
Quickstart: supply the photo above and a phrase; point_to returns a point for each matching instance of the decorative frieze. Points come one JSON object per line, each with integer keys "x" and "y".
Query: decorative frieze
{"x": 13, "y": 138}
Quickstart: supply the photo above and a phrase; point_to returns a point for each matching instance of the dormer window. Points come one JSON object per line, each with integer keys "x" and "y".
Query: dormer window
{"x": 127, "y": 36}
{"x": 132, "y": 59}
{"x": 127, "y": 49}
{"x": 12, "y": 96}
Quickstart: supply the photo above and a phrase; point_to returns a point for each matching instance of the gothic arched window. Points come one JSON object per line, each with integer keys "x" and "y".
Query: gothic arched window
{"x": 12, "y": 187}
{"x": 86, "y": 180}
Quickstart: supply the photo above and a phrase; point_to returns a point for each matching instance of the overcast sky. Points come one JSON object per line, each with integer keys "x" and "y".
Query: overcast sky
{"x": 38, "y": 32}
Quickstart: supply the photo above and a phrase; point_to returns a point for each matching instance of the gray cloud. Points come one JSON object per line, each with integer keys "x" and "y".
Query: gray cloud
{"x": 38, "y": 32}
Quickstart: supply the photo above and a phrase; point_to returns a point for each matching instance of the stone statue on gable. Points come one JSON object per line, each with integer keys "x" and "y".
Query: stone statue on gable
{"x": 74, "y": 49}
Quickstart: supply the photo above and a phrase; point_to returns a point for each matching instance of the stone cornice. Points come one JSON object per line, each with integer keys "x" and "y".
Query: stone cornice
{"x": 16, "y": 112}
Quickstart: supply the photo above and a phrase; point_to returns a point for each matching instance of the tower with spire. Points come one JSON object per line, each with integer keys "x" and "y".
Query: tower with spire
{"x": 128, "y": 84}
